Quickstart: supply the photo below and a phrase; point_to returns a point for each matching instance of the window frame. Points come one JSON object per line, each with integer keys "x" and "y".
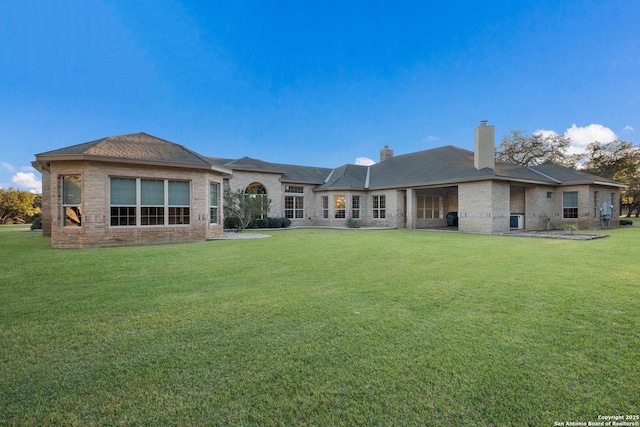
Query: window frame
{"x": 294, "y": 207}
{"x": 147, "y": 211}
{"x": 428, "y": 207}
{"x": 339, "y": 206}
{"x": 355, "y": 207}
{"x": 71, "y": 210}
{"x": 214, "y": 203}
{"x": 570, "y": 212}
{"x": 325, "y": 206}
{"x": 297, "y": 189}
{"x": 379, "y": 206}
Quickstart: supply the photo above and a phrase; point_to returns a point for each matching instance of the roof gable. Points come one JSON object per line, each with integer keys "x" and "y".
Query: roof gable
{"x": 346, "y": 177}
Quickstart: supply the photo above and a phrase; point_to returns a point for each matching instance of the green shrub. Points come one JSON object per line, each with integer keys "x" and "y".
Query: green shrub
{"x": 37, "y": 224}
{"x": 262, "y": 223}
{"x": 231, "y": 223}
{"x": 626, "y": 222}
{"x": 286, "y": 222}
{"x": 352, "y": 223}
{"x": 275, "y": 222}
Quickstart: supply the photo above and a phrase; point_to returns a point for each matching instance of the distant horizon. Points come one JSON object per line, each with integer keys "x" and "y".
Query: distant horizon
{"x": 312, "y": 84}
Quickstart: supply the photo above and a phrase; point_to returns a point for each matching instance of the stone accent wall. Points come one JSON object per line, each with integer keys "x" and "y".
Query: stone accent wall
{"x": 270, "y": 181}
{"x": 96, "y": 230}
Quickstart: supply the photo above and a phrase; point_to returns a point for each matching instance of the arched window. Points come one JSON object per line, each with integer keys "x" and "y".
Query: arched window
{"x": 257, "y": 190}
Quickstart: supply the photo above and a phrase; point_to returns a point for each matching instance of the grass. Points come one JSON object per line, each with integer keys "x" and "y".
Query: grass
{"x": 321, "y": 327}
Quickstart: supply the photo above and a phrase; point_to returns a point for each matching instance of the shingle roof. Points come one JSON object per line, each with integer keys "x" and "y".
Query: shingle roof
{"x": 290, "y": 173}
{"x": 438, "y": 166}
{"x": 441, "y": 166}
{"x": 346, "y": 177}
{"x": 571, "y": 176}
{"x": 138, "y": 147}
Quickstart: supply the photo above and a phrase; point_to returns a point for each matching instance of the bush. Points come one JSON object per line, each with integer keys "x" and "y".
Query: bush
{"x": 626, "y": 222}
{"x": 231, "y": 223}
{"x": 262, "y": 223}
{"x": 275, "y": 222}
{"x": 36, "y": 224}
{"x": 352, "y": 223}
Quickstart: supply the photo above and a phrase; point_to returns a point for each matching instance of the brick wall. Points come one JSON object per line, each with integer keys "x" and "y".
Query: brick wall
{"x": 96, "y": 230}
{"x": 483, "y": 207}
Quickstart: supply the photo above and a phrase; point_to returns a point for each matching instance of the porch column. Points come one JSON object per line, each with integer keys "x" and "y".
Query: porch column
{"x": 411, "y": 210}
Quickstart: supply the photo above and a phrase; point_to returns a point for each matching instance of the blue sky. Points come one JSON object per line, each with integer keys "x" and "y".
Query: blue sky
{"x": 319, "y": 83}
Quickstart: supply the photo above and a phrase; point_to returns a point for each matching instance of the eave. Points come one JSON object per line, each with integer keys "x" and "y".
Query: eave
{"x": 45, "y": 159}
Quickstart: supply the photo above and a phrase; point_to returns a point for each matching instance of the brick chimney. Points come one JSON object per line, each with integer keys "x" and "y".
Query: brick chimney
{"x": 386, "y": 153}
{"x": 484, "y": 155}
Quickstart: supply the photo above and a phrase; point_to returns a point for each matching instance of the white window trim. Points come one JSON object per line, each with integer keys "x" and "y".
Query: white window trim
{"x": 138, "y": 206}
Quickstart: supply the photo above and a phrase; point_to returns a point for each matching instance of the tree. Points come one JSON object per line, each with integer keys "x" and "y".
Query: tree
{"x": 517, "y": 147}
{"x": 17, "y": 205}
{"x": 245, "y": 207}
{"x": 618, "y": 160}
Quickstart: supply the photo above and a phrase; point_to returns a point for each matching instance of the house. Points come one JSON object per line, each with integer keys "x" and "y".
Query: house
{"x": 129, "y": 189}
{"x": 440, "y": 187}
{"x": 137, "y": 188}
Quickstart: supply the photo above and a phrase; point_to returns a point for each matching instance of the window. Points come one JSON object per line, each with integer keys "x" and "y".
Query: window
{"x": 355, "y": 207}
{"x": 257, "y": 192}
{"x": 152, "y": 202}
{"x": 428, "y": 207}
{"x": 379, "y": 207}
{"x": 294, "y": 207}
{"x": 294, "y": 189}
{"x": 213, "y": 203}
{"x": 325, "y": 206}
{"x": 179, "y": 199}
{"x": 570, "y": 204}
{"x": 596, "y": 203}
{"x": 123, "y": 202}
{"x": 71, "y": 200}
{"x": 143, "y": 202}
{"x": 339, "y": 206}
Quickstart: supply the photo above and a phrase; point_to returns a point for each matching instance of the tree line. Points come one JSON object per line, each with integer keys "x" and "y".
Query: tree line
{"x": 18, "y": 207}
{"x": 618, "y": 160}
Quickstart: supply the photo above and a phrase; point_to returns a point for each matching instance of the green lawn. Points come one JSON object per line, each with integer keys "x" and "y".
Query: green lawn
{"x": 321, "y": 327}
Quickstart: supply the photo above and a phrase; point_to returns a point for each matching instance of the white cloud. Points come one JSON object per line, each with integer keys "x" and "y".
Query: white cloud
{"x": 583, "y": 136}
{"x": 7, "y": 166}
{"x": 27, "y": 180}
{"x": 628, "y": 128}
{"x": 431, "y": 138}
{"x": 546, "y": 133}
{"x": 364, "y": 161}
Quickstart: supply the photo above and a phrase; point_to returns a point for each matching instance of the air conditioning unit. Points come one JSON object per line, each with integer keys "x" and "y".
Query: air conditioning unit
{"x": 516, "y": 221}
